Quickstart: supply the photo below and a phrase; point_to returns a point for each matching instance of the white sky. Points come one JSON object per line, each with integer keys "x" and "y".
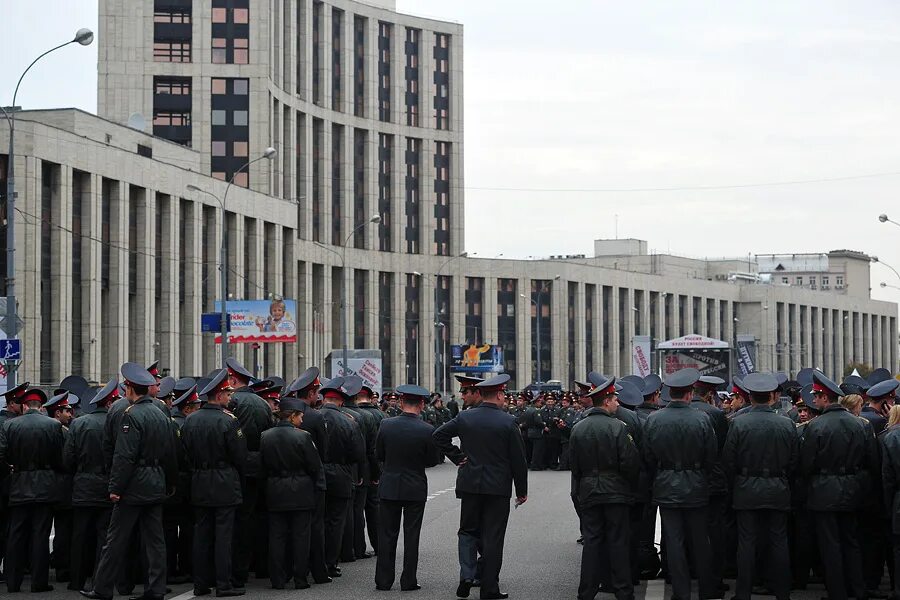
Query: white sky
{"x": 596, "y": 94}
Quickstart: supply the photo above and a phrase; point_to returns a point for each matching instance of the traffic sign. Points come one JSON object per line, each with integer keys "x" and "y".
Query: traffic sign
{"x": 11, "y": 349}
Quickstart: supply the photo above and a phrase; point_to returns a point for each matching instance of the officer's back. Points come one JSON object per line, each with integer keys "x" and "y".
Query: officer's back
{"x": 216, "y": 450}
{"x": 291, "y": 465}
{"x": 345, "y": 453}
{"x": 601, "y": 476}
{"x": 406, "y": 448}
{"x": 492, "y": 440}
{"x": 84, "y": 458}
{"x": 255, "y": 417}
{"x": 32, "y": 445}
{"x": 144, "y": 464}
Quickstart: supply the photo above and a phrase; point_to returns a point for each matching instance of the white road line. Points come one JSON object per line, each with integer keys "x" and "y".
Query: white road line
{"x": 184, "y": 596}
{"x": 656, "y": 589}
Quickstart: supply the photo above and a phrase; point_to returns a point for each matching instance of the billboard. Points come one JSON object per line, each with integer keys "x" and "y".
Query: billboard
{"x": 746, "y": 353}
{"x": 472, "y": 358}
{"x": 261, "y": 321}
{"x": 640, "y": 355}
{"x": 709, "y": 361}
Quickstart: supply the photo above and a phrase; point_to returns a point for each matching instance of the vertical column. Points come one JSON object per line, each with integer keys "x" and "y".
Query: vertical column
{"x": 326, "y": 183}
{"x": 880, "y": 356}
{"x": 191, "y": 338}
{"x": 398, "y": 194}
{"x": 115, "y": 322}
{"x": 308, "y": 319}
{"x": 427, "y": 330}
{"x": 61, "y": 272}
{"x": 702, "y": 327}
{"x": 213, "y": 242}
{"x": 614, "y": 341}
{"x": 807, "y": 340}
{"x": 372, "y": 309}
{"x": 169, "y": 327}
{"x": 716, "y": 332}
{"x": 793, "y": 338}
{"x": 371, "y": 187}
{"x": 272, "y": 262}
{"x": 489, "y": 310}
{"x": 580, "y": 336}
{"x": 857, "y": 320}
{"x": 238, "y": 279}
{"x": 828, "y": 347}
{"x": 818, "y": 332}
{"x": 399, "y": 357}
{"x": 372, "y": 83}
{"x": 92, "y": 273}
{"x": 597, "y": 324}
{"x": 645, "y": 312}
{"x": 689, "y": 325}
{"x": 428, "y": 222}
{"x": 326, "y": 46}
{"x": 144, "y": 342}
{"x": 840, "y": 344}
{"x": 524, "y": 307}
{"x": 290, "y": 289}
{"x": 625, "y": 354}
{"x": 559, "y": 333}
{"x": 28, "y": 265}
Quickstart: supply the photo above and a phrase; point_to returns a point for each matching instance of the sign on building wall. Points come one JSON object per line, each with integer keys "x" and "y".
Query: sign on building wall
{"x": 368, "y": 368}
{"x": 640, "y": 355}
{"x": 262, "y": 321}
{"x": 692, "y": 341}
{"x": 472, "y": 358}
{"x": 746, "y": 354}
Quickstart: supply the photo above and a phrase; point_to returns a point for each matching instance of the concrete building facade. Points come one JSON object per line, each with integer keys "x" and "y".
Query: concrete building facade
{"x": 118, "y": 259}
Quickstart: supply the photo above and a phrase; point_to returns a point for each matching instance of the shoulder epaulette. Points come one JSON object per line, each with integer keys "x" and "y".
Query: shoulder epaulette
{"x": 229, "y": 413}
{"x": 129, "y": 407}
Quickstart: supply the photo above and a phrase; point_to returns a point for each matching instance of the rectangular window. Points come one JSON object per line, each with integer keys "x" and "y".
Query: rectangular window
{"x": 172, "y": 15}
{"x": 175, "y": 87}
{"x": 442, "y": 198}
{"x": 441, "y": 81}
{"x": 825, "y": 280}
{"x": 230, "y": 32}
{"x": 177, "y": 52}
{"x": 359, "y": 65}
{"x": 413, "y": 158}
{"x": 166, "y": 119}
{"x": 799, "y": 280}
{"x": 385, "y": 31}
{"x": 241, "y": 87}
{"x": 337, "y": 59}
{"x": 385, "y": 199}
{"x": 241, "y": 51}
{"x": 412, "y": 76}
{"x": 230, "y": 133}
{"x": 219, "y": 51}
{"x": 360, "y": 154}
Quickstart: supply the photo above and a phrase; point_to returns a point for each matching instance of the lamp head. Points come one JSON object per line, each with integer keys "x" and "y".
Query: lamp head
{"x": 84, "y": 36}
{"x": 883, "y": 284}
{"x": 873, "y": 258}
{"x": 375, "y": 219}
{"x": 463, "y": 254}
{"x": 270, "y": 153}
{"x": 416, "y": 273}
{"x": 193, "y": 188}
{"x": 883, "y": 218}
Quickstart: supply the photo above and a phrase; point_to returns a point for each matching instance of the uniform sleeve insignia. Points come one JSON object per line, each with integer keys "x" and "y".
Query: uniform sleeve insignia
{"x": 126, "y": 428}
{"x": 240, "y": 432}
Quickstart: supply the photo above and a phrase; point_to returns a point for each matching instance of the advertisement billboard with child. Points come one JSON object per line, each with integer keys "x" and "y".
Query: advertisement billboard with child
{"x": 260, "y": 321}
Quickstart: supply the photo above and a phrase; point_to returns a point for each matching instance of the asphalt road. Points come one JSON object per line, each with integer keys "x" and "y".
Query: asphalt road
{"x": 541, "y": 559}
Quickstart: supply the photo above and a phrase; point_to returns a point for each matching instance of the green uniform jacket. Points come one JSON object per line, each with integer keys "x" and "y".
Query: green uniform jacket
{"x": 292, "y": 468}
{"x": 144, "y": 467}
{"x": 32, "y": 446}
{"x": 760, "y": 456}
{"x": 254, "y": 416}
{"x": 83, "y": 457}
{"x": 215, "y": 447}
{"x": 604, "y": 460}
{"x": 890, "y": 474}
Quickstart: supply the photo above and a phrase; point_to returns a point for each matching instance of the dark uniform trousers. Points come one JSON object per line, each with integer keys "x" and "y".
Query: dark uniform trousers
{"x": 212, "y": 553}
{"x": 841, "y": 559}
{"x": 29, "y": 527}
{"x": 178, "y": 525}
{"x": 291, "y": 525}
{"x": 606, "y": 553}
{"x": 354, "y": 542}
{"x": 372, "y": 511}
{"x": 336, "y": 511}
{"x": 683, "y": 528}
{"x": 539, "y": 453}
{"x": 874, "y": 542}
{"x": 116, "y": 551}
{"x": 62, "y": 542}
{"x": 317, "y": 566}
{"x": 389, "y": 517}
{"x": 803, "y": 548}
{"x": 482, "y": 520}
{"x": 895, "y": 538}
{"x": 89, "y": 527}
{"x": 715, "y": 525}
{"x": 244, "y": 534}
{"x": 757, "y": 528}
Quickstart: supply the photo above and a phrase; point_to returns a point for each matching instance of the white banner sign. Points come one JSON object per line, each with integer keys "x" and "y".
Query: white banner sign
{"x": 640, "y": 355}
{"x": 368, "y": 369}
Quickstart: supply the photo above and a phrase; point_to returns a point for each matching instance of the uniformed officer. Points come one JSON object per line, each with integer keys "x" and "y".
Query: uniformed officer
{"x": 254, "y": 416}
{"x": 804, "y": 553}
{"x": 306, "y": 389}
{"x": 32, "y": 446}
{"x": 12, "y": 409}
{"x": 493, "y": 460}
{"x": 534, "y": 427}
{"x": 605, "y": 468}
{"x": 648, "y": 558}
{"x": 760, "y": 456}
{"x": 406, "y": 447}
{"x": 880, "y": 397}
{"x": 629, "y": 397}
{"x": 354, "y": 543}
{"x": 144, "y": 471}
{"x": 366, "y": 402}
{"x": 178, "y": 521}
{"x": 215, "y": 447}
{"x": 58, "y": 407}
{"x": 890, "y": 481}
{"x": 550, "y": 416}
{"x": 166, "y": 391}
{"x": 345, "y": 456}
{"x": 679, "y": 449}
{"x": 835, "y": 459}
{"x": 567, "y": 419}
{"x": 91, "y": 506}
{"x": 293, "y": 478}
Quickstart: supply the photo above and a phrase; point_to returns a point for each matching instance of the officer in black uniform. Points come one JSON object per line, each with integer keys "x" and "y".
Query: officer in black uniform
{"x": 345, "y": 457}
{"x": 178, "y": 521}
{"x": 144, "y": 471}
{"x": 83, "y": 457}
{"x": 365, "y": 401}
{"x": 32, "y": 446}
{"x": 12, "y": 409}
{"x": 406, "y": 448}
{"x": 605, "y": 468}
{"x": 293, "y": 477}
{"x": 254, "y": 416}
{"x": 58, "y": 407}
{"x": 550, "y": 416}
{"x": 879, "y": 399}
{"x": 836, "y": 460}
{"x": 629, "y": 397}
{"x": 759, "y": 458}
{"x": 890, "y": 481}
{"x": 679, "y": 449}
{"x": 166, "y": 391}
{"x": 648, "y": 558}
{"x": 354, "y": 543}
{"x": 215, "y": 447}
{"x": 493, "y": 459}
{"x": 306, "y": 390}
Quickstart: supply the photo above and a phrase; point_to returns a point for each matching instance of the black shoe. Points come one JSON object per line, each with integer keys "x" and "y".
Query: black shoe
{"x": 41, "y": 588}
{"x": 334, "y": 572}
{"x": 301, "y": 584}
{"x": 146, "y": 596}
{"x": 238, "y": 584}
{"x": 497, "y": 596}
{"x": 323, "y": 581}
{"x": 465, "y": 586}
{"x": 178, "y": 579}
{"x": 476, "y": 583}
{"x": 382, "y": 588}
{"x": 63, "y": 577}
{"x": 229, "y": 593}
{"x": 365, "y": 555}
{"x": 92, "y": 595}
{"x": 580, "y": 541}
{"x": 202, "y": 591}
{"x": 412, "y": 588}
{"x": 878, "y": 594}
{"x": 277, "y": 586}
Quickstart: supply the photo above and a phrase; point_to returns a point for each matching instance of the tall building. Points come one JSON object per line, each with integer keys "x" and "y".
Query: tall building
{"x": 118, "y": 259}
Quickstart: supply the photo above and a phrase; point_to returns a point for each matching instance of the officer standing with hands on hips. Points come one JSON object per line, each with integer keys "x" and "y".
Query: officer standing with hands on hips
{"x": 405, "y": 446}
{"x": 493, "y": 460}
{"x": 144, "y": 472}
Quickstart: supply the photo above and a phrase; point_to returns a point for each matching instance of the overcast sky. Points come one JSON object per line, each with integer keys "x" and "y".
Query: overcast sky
{"x": 594, "y": 95}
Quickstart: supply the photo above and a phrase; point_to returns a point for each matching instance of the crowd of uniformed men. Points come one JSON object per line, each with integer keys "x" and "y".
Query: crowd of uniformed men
{"x": 776, "y": 482}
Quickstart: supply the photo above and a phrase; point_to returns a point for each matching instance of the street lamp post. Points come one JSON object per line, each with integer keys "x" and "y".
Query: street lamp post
{"x": 538, "y": 324}
{"x": 343, "y": 256}
{"x": 884, "y": 219}
{"x": 875, "y": 259}
{"x": 438, "y": 352}
{"x": 83, "y": 37}
{"x": 269, "y": 153}
{"x": 887, "y": 285}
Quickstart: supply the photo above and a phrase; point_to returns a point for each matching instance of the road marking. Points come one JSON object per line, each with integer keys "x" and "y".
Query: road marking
{"x": 436, "y": 494}
{"x": 656, "y": 589}
{"x": 184, "y": 596}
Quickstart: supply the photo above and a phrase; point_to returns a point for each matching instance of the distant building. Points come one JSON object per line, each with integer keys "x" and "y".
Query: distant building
{"x": 838, "y": 272}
